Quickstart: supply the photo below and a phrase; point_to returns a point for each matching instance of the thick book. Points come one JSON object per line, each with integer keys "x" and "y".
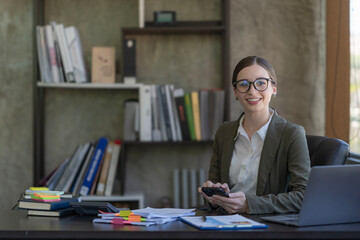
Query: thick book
{"x": 162, "y": 121}
{"x": 204, "y": 113}
{"x": 165, "y": 111}
{"x": 42, "y": 52}
{"x": 189, "y": 116}
{"x": 218, "y": 103}
{"x": 155, "y": 116}
{"x": 94, "y": 165}
{"x": 33, "y": 204}
{"x": 52, "y": 213}
{"x": 52, "y": 54}
{"x": 180, "y": 108}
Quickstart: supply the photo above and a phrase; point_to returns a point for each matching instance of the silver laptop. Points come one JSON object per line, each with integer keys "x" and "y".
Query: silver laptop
{"x": 332, "y": 196}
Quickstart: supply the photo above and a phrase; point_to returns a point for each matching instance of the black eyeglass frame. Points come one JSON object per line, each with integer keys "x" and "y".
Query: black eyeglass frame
{"x": 253, "y": 83}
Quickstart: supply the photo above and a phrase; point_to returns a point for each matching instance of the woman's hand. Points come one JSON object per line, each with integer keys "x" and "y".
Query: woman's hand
{"x": 224, "y": 186}
{"x": 235, "y": 203}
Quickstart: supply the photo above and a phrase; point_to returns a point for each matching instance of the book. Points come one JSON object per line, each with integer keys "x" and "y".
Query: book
{"x": 113, "y": 167}
{"x": 145, "y": 113}
{"x": 175, "y": 114}
{"x": 189, "y": 116}
{"x": 54, "y": 179}
{"x": 218, "y": 103}
{"x": 64, "y": 51}
{"x": 94, "y": 165}
{"x": 76, "y": 54}
{"x": 165, "y": 111}
{"x": 196, "y": 114}
{"x": 103, "y": 65}
{"x": 43, "y": 59}
{"x": 33, "y": 204}
{"x": 222, "y": 222}
{"x": 171, "y": 112}
{"x": 155, "y": 116}
{"x": 204, "y": 114}
{"x": 162, "y": 122}
{"x": 180, "y": 108}
{"x": 52, "y": 213}
{"x": 80, "y": 177}
{"x": 75, "y": 168}
{"x": 131, "y": 120}
{"x": 100, "y": 189}
{"x": 52, "y": 54}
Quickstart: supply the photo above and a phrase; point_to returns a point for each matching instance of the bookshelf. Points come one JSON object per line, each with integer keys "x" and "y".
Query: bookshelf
{"x": 213, "y": 28}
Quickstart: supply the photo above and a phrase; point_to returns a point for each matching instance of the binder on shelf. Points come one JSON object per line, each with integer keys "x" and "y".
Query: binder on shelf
{"x": 129, "y": 61}
{"x": 145, "y": 113}
{"x": 94, "y": 165}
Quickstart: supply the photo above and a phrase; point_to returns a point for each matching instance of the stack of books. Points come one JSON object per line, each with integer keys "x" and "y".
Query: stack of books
{"x": 91, "y": 170}
{"x": 165, "y": 113}
{"x": 60, "y": 54}
{"x": 43, "y": 202}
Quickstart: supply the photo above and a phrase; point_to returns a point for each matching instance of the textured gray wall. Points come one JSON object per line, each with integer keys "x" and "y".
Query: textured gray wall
{"x": 289, "y": 33}
{"x": 16, "y": 61}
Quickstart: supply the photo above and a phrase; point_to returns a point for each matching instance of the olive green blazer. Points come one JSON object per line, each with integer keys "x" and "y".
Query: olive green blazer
{"x": 283, "y": 170}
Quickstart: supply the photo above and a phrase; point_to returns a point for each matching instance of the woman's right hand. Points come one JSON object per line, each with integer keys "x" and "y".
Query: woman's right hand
{"x": 224, "y": 186}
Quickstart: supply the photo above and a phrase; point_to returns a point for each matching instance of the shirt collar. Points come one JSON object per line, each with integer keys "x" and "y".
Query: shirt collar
{"x": 262, "y": 131}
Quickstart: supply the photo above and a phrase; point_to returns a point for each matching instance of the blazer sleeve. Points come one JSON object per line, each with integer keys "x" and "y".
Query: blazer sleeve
{"x": 294, "y": 155}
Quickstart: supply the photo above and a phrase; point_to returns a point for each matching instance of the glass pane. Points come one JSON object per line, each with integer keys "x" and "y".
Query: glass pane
{"x": 355, "y": 75}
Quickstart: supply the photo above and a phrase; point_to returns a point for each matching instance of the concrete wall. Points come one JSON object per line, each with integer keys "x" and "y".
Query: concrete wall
{"x": 289, "y": 33}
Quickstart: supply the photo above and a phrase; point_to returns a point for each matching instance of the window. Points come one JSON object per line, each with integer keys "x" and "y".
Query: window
{"x": 355, "y": 76}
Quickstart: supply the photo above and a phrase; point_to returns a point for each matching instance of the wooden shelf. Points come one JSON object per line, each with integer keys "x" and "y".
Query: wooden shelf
{"x": 206, "y": 29}
{"x": 90, "y": 85}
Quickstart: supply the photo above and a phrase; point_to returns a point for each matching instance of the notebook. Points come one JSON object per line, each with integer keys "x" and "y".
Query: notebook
{"x": 331, "y": 197}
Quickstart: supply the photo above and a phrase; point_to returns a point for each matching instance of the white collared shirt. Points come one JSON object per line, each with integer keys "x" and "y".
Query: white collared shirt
{"x": 246, "y": 158}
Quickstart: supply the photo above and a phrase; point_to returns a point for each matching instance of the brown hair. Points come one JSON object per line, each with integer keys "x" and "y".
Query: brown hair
{"x": 251, "y": 60}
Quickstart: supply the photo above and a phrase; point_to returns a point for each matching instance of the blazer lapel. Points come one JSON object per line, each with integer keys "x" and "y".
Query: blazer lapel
{"x": 271, "y": 145}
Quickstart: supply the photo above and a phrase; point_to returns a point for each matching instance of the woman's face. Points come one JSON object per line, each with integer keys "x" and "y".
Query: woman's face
{"x": 254, "y": 100}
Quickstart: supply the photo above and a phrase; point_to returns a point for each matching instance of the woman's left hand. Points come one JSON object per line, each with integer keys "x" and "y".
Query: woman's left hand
{"x": 235, "y": 203}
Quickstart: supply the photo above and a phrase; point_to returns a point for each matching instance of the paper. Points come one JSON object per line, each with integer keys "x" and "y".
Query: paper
{"x": 164, "y": 212}
{"x": 222, "y": 222}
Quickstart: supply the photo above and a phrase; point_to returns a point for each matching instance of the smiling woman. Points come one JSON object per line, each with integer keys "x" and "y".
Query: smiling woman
{"x": 260, "y": 159}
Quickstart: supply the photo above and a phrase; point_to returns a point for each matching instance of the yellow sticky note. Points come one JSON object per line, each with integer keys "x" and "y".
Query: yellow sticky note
{"x": 39, "y": 188}
{"x": 124, "y": 213}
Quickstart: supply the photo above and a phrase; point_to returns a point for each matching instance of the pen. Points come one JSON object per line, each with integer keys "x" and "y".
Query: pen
{"x": 204, "y": 218}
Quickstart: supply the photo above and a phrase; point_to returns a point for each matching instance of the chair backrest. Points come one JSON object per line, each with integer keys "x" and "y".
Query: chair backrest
{"x": 327, "y": 151}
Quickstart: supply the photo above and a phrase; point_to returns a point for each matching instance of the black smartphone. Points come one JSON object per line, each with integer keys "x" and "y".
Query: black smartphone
{"x": 209, "y": 191}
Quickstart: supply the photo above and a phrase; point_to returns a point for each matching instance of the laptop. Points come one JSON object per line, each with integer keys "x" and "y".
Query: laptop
{"x": 332, "y": 196}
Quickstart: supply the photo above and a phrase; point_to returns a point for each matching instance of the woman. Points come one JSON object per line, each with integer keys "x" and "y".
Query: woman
{"x": 260, "y": 159}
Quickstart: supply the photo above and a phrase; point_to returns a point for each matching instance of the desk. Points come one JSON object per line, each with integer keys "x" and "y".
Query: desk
{"x": 17, "y": 225}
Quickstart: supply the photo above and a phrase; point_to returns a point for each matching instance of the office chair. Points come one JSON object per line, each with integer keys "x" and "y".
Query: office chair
{"x": 327, "y": 151}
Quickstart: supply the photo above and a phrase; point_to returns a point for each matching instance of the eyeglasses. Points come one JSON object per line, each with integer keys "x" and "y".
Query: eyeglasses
{"x": 260, "y": 84}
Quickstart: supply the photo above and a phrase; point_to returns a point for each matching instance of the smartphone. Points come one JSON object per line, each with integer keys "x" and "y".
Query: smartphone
{"x": 209, "y": 191}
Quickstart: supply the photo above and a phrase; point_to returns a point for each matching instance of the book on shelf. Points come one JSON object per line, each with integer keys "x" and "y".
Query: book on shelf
{"x": 52, "y": 54}
{"x": 76, "y": 54}
{"x": 161, "y": 115}
{"x": 100, "y": 189}
{"x": 103, "y": 65}
{"x": 43, "y": 59}
{"x": 113, "y": 167}
{"x": 217, "y": 114}
{"x": 94, "y": 165}
{"x": 80, "y": 177}
{"x": 52, "y": 213}
{"x": 55, "y": 178}
{"x": 145, "y": 113}
{"x": 131, "y": 120}
{"x": 64, "y": 51}
{"x": 196, "y": 114}
{"x": 180, "y": 108}
{"x": 34, "y": 204}
{"x": 155, "y": 117}
{"x": 189, "y": 115}
{"x": 204, "y": 113}
{"x": 175, "y": 113}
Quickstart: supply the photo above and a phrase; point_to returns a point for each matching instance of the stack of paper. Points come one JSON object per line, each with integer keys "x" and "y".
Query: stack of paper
{"x": 144, "y": 217}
